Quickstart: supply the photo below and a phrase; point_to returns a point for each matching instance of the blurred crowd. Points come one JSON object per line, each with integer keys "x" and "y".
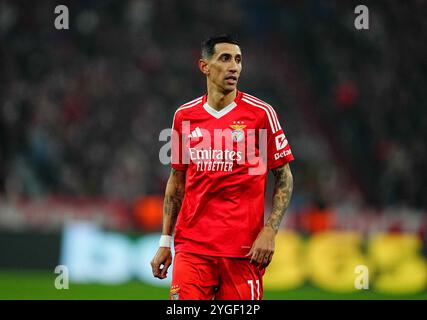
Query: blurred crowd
{"x": 81, "y": 109}
{"x": 369, "y": 88}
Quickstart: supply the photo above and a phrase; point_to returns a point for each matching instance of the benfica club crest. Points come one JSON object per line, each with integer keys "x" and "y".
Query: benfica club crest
{"x": 174, "y": 292}
{"x": 237, "y": 134}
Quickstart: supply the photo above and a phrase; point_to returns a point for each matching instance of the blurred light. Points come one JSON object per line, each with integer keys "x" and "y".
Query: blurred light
{"x": 96, "y": 256}
{"x": 87, "y": 21}
{"x": 149, "y": 212}
{"x": 8, "y": 16}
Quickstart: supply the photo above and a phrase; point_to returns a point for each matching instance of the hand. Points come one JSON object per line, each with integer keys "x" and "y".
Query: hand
{"x": 162, "y": 257}
{"x": 263, "y": 248}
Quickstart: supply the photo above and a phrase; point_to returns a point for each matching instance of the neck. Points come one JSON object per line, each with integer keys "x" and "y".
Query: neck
{"x": 218, "y": 99}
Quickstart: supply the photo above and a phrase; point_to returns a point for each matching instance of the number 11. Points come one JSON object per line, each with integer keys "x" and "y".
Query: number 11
{"x": 251, "y": 283}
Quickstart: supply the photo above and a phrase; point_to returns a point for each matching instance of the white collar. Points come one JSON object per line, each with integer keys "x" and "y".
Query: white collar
{"x": 218, "y": 114}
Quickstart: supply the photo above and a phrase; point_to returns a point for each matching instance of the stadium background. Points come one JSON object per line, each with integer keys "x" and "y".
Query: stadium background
{"x": 81, "y": 110}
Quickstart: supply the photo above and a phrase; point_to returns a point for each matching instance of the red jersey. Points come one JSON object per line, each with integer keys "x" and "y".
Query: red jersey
{"x": 227, "y": 155}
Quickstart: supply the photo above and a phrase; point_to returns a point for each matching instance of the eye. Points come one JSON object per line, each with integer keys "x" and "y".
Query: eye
{"x": 225, "y": 57}
{"x": 238, "y": 59}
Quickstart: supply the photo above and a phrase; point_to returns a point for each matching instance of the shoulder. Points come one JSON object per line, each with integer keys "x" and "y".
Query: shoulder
{"x": 188, "y": 105}
{"x": 264, "y": 110}
{"x": 253, "y": 101}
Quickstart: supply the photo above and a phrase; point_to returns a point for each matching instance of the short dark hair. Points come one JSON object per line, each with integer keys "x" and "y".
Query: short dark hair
{"x": 208, "y": 45}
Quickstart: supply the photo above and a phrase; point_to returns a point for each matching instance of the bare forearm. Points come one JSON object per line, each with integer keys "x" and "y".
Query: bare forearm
{"x": 171, "y": 208}
{"x": 283, "y": 187}
{"x": 174, "y": 195}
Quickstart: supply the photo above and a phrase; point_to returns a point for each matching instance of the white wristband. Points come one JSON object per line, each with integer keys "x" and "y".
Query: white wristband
{"x": 165, "y": 241}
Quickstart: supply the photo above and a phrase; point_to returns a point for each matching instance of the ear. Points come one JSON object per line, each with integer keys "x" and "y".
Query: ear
{"x": 203, "y": 66}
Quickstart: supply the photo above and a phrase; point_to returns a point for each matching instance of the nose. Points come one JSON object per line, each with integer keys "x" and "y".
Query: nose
{"x": 233, "y": 67}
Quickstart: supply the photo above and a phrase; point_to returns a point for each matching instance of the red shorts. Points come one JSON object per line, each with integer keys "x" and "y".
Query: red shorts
{"x": 199, "y": 277}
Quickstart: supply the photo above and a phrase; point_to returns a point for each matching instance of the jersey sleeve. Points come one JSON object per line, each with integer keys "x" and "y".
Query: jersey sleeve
{"x": 177, "y": 155}
{"x": 278, "y": 149}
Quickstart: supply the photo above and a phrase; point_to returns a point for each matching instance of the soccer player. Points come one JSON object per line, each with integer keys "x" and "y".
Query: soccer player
{"x": 214, "y": 204}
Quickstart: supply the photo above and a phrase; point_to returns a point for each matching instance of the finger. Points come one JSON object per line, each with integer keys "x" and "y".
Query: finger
{"x": 165, "y": 269}
{"x": 267, "y": 261}
{"x": 254, "y": 256}
{"x": 158, "y": 273}
{"x": 156, "y": 268}
{"x": 260, "y": 260}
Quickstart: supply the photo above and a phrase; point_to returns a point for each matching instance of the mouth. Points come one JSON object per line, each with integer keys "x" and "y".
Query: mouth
{"x": 231, "y": 79}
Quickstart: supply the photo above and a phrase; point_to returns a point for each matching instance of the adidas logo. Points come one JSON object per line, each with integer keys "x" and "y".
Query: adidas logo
{"x": 196, "y": 133}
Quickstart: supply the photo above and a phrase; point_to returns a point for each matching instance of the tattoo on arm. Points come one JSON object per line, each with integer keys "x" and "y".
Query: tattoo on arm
{"x": 282, "y": 195}
{"x": 174, "y": 195}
